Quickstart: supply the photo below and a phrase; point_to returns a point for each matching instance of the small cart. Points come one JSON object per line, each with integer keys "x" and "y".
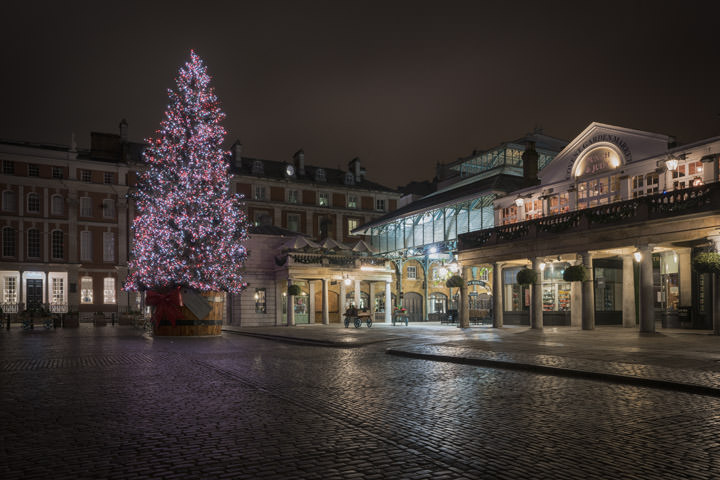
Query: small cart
{"x": 400, "y": 318}
{"x": 357, "y": 318}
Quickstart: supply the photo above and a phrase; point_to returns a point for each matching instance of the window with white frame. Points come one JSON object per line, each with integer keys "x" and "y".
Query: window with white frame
{"x": 33, "y": 203}
{"x": 10, "y": 293}
{"x": 9, "y": 201}
{"x": 293, "y": 222}
{"x": 8, "y": 242}
{"x": 33, "y": 170}
{"x": 352, "y": 224}
{"x": 533, "y": 208}
{"x": 559, "y": 203}
{"x": 687, "y": 175}
{"x": 380, "y": 204}
{"x": 260, "y": 192}
{"x": 57, "y": 244}
{"x": 412, "y": 272}
{"x": 645, "y": 185}
{"x": 108, "y": 247}
{"x": 85, "y": 207}
{"x": 86, "y": 290}
{"x": 57, "y": 289}
{"x": 86, "y": 175}
{"x": 108, "y": 178}
{"x": 509, "y": 215}
{"x": 108, "y": 208}
{"x": 57, "y": 205}
{"x": 33, "y": 243}
{"x": 352, "y": 201}
{"x": 598, "y": 191}
{"x": 86, "y": 245}
{"x": 323, "y": 199}
{"x": 293, "y": 196}
{"x": 109, "y": 290}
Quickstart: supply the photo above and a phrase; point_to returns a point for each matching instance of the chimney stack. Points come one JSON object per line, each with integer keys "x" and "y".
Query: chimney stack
{"x": 123, "y": 130}
{"x": 530, "y": 163}
{"x": 354, "y": 167}
{"x": 299, "y": 158}
{"x": 236, "y": 150}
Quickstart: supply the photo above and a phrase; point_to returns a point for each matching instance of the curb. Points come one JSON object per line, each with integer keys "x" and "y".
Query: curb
{"x": 294, "y": 340}
{"x": 564, "y": 372}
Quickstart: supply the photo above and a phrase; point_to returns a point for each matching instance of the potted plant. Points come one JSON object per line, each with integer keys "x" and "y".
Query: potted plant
{"x": 456, "y": 281}
{"x": 526, "y": 276}
{"x": 190, "y": 228}
{"x": 707, "y": 262}
{"x": 294, "y": 290}
{"x": 575, "y": 273}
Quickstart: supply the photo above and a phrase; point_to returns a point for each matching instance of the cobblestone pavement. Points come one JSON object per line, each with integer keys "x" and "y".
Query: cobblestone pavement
{"x": 111, "y": 403}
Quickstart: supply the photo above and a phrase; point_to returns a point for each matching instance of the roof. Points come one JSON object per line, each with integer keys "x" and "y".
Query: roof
{"x": 274, "y": 169}
{"x": 542, "y": 142}
{"x": 501, "y": 183}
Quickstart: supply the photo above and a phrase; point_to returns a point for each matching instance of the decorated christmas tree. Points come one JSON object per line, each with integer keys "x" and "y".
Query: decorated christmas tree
{"x": 189, "y": 229}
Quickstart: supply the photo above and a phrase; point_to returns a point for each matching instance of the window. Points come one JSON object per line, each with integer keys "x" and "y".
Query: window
{"x": 57, "y": 248}
{"x": 86, "y": 290}
{"x": 598, "y": 191}
{"x": 320, "y": 175}
{"x": 57, "y": 290}
{"x": 260, "y": 302}
{"x": 10, "y": 293}
{"x": 108, "y": 247}
{"x": 257, "y": 168}
{"x": 9, "y": 203}
{"x": 86, "y": 176}
{"x": 57, "y": 205}
{"x": 509, "y": 215}
{"x": 380, "y": 204}
{"x": 293, "y": 196}
{"x": 262, "y": 217}
{"x": 86, "y": 245}
{"x": 8, "y": 242}
{"x": 559, "y": 203}
{"x": 108, "y": 290}
{"x": 645, "y": 185}
{"x": 33, "y": 203}
{"x": 293, "y": 222}
{"x": 412, "y": 272}
{"x": 85, "y": 207}
{"x": 323, "y": 199}
{"x": 260, "y": 192}
{"x": 352, "y": 201}
{"x": 349, "y": 178}
{"x": 8, "y": 167}
{"x": 57, "y": 172}
{"x": 108, "y": 178}
{"x": 108, "y": 208}
{"x": 352, "y": 223}
{"x": 33, "y": 243}
{"x": 533, "y": 208}
{"x": 33, "y": 170}
{"x": 687, "y": 175}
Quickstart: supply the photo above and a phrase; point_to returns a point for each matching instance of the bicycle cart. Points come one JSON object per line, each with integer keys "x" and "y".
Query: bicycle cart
{"x": 357, "y": 318}
{"x": 400, "y": 318}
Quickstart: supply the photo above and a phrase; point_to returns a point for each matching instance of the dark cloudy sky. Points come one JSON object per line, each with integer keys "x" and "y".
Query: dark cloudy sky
{"x": 402, "y": 85}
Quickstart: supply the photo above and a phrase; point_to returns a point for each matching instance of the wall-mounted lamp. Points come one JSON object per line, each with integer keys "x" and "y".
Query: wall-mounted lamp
{"x": 637, "y": 256}
{"x": 671, "y": 164}
{"x": 519, "y": 202}
{"x": 542, "y": 266}
{"x": 347, "y": 281}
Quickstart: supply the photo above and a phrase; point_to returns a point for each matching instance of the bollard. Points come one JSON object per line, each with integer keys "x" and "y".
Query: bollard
{"x": 7, "y": 319}
{"x": 113, "y": 319}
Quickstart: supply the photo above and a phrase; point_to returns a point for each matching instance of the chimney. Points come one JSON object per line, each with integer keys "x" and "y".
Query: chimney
{"x": 236, "y": 150}
{"x": 354, "y": 167}
{"x": 530, "y": 163}
{"x": 299, "y": 158}
{"x": 123, "y": 130}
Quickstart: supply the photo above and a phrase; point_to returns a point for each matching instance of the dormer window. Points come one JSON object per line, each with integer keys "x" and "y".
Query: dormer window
{"x": 349, "y": 178}
{"x": 289, "y": 171}
{"x": 320, "y": 175}
{"x": 258, "y": 168}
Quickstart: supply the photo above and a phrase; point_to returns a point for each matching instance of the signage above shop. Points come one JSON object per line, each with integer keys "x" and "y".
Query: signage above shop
{"x": 615, "y": 140}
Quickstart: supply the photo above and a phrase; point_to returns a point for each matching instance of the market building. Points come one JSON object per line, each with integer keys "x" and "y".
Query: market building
{"x": 633, "y": 208}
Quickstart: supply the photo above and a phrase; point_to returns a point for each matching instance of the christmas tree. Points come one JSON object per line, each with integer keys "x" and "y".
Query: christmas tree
{"x": 189, "y": 229}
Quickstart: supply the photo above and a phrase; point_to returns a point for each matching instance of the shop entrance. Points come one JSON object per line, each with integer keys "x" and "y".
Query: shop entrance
{"x": 34, "y": 291}
{"x": 414, "y": 304}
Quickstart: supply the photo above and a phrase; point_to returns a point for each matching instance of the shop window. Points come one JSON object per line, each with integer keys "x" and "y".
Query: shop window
{"x": 438, "y": 303}
{"x": 10, "y": 293}
{"x": 260, "y": 301}
{"x": 8, "y": 242}
{"x": 109, "y": 290}
{"x": 33, "y": 203}
{"x": 57, "y": 290}
{"x": 517, "y": 297}
{"x": 33, "y": 243}
{"x": 57, "y": 247}
{"x": 607, "y": 275}
{"x": 555, "y": 290}
{"x": 86, "y": 290}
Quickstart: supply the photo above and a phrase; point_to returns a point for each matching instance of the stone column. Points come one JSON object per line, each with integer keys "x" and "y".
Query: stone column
{"x": 498, "y": 304}
{"x": 715, "y": 289}
{"x": 647, "y": 302}
{"x": 311, "y": 301}
{"x": 290, "y": 306}
{"x": 341, "y": 300}
{"x": 372, "y": 300}
{"x": 357, "y": 294}
{"x": 628, "y": 292}
{"x": 685, "y": 275}
{"x": 576, "y": 302}
{"x": 388, "y": 303}
{"x": 465, "y": 298}
{"x": 325, "y": 306}
{"x": 588, "y": 294}
{"x": 536, "y": 321}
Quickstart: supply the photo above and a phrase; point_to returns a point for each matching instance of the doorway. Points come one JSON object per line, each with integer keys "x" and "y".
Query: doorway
{"x": 414, "y": 304}
{"x": 34, "y": 292}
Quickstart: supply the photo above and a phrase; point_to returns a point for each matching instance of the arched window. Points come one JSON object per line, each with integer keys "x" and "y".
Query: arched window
{"x": 438, "y": 303}
{"x": 8, "y": 242}
{"x": 33, "y": 203}
{"x": 33, "y": 243}
{"x": 57, "y": 248}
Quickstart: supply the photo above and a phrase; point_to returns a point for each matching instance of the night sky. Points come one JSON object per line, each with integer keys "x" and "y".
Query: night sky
{"x": 402, "y": 85}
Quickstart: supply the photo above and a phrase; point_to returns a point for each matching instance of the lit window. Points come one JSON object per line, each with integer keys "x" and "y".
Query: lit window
{"x": 352, "y": 201}
{"x": 33, "y": 243}
{"x": 10, "y": 293}
{"x": 58, "y": 290}
{"x": 108, "y": 178}
{"x": 33, "y": 170}
{"x": 108, "y": 247}
{"x": 86, "y": 175}
{"x": 108, "y": 207}
{"x": 86, "y": 290}
{"x": 293, "y": 196}
{"x": 86, "y": 245}
{"x": 85, "y": 207}
{"x": 109, "y": 290}
{"x": 412, "y": 272}
{"x": 353, "y": 223}
{"x": 260, "y": 192}
{"x": 8, "y": 242}
{"x": 33, "y": 203}
{"x": 260, "y": 302}
{"x": 324, "y": 199}
{"x": 57, "y": 205}
{"x": 58, "y": 244}
{"x": 380, "y": 204}
{"x": 57, "y": 172}
{"x": 9, "y": 203}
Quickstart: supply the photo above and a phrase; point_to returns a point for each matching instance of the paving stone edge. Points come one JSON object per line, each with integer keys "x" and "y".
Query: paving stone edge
{"x": 299, "y": 340}
{"x": 565, "y": 372}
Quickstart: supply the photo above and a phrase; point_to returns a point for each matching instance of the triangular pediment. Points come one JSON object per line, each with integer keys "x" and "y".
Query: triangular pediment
{"x": 631, "y": 146}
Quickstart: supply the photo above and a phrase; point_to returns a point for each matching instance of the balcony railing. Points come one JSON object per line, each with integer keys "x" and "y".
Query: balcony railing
{"x": 333, "y": 260}
{"x": 651, "y": 207}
